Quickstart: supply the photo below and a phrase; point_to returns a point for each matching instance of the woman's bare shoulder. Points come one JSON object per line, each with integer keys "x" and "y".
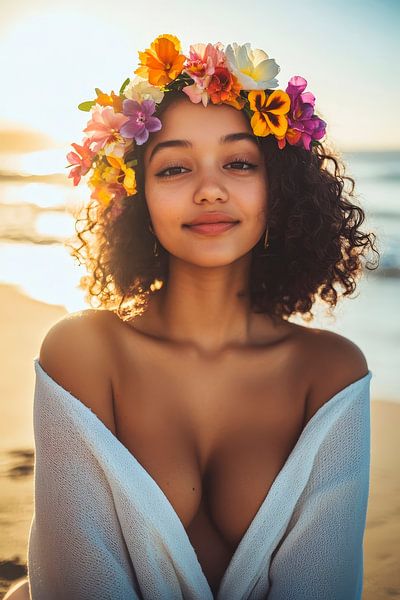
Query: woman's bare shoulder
{"x": 76, "y": 353}
{"x": 331, "y": 361}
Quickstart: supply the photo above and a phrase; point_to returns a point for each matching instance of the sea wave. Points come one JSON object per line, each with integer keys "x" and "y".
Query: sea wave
{"x": 17, "y": 177}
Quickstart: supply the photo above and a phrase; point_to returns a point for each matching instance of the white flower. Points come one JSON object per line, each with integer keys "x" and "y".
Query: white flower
{"x": 253, "y": 68}
{"x": 140, "y": 89}
{"x": 116, "y": 148}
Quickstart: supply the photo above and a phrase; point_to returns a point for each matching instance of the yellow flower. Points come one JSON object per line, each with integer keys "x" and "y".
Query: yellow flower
{"x": 113, "y": 181}
{"x": 162, "y": 62}
{"x": 101, "y": 191}
{"x": 129, "y": 180}
{"x": 103, "y": 195}
{"x": 269, "y": 112}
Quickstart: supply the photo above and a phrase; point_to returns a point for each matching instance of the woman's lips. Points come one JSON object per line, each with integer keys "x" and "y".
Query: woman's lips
{"x": 211, "y": 228}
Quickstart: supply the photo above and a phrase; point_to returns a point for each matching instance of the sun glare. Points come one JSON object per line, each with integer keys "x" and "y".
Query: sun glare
{"x": 44, "y": 162}
{"x": 55, "y": 65}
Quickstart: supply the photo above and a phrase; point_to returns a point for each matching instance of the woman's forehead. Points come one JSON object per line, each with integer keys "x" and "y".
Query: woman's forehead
{"x": 185, "y": 112}
{"x": 186, "y": 120}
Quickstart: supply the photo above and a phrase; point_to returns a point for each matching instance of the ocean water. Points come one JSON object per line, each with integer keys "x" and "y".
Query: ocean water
{"x": 35, "y": 219}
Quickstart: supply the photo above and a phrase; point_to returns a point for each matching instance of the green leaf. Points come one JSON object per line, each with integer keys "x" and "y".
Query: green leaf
{"x": 98, "y": 91}
{"x": 123, "y": 86}
{"x": 132, "y": 163}
{"x": 86, "y": 106}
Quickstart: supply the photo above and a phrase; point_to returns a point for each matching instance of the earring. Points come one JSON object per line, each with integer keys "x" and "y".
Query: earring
{"x": 266, "y": 242}
{"x": 155, "y": 247}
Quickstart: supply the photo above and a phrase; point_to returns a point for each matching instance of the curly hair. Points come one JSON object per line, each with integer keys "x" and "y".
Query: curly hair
{"x": 315, "y": 240}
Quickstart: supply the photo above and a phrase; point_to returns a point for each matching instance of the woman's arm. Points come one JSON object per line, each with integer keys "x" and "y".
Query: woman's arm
{"x": 321, "y": 553}
{"x": 76, "y": 547}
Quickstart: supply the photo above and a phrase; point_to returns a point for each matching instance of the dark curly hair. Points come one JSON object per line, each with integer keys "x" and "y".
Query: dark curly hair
{"x": 315, "y": 240}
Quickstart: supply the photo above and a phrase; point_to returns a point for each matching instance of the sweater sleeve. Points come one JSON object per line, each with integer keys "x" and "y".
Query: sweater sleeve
{"x": 321, "y": 554}
{"x": 76, "y": 548}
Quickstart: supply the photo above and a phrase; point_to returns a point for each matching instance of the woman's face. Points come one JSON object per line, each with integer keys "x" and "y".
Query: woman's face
{"x": 194, "y": 165}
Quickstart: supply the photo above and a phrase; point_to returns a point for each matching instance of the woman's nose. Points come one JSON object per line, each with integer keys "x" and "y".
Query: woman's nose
{"x": 210, "y": 188}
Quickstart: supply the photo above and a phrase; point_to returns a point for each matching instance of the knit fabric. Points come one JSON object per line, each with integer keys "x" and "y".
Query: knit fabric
{"x": 102, "y": 528}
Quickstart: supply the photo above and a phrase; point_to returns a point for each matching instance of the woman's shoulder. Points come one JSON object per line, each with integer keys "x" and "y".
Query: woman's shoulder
{"x": 80, "y": 335}
{"x": 76, "y": 353}
{"x": 332, "y": 362}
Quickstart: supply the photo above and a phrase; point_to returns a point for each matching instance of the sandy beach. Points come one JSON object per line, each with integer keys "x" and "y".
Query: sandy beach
{"x": 23, "y": 324}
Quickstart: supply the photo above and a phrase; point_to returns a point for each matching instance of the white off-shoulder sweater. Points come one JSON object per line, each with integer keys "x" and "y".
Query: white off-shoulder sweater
{"x": 103, "y": 529}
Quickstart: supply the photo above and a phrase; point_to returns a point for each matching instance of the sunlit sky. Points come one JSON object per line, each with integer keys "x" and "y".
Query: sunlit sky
{"x": 53, "y": 55}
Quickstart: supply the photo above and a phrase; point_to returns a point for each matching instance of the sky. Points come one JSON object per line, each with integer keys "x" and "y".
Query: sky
{"x": 53, "y": 55}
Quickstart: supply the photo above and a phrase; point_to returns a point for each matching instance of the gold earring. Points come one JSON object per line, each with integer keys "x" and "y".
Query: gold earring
{"x": 266, "y": 242}
{"x": 155, "y": 247}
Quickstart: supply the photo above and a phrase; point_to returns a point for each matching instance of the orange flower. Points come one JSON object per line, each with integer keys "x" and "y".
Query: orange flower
{"x": 162, "y": 62}
{"x": 224, "y": 87}
{"x": 269, "y": 112}
{"x": 109, "y": 100}
{"x": 292, "y": 136}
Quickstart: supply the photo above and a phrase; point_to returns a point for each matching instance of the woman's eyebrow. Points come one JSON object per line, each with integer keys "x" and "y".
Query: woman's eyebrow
{"x": 231, "y": 137}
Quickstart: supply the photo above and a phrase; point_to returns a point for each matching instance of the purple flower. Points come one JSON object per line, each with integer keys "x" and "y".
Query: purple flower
{"x": 140, "y": 121}
{"x": 304, "y": 125}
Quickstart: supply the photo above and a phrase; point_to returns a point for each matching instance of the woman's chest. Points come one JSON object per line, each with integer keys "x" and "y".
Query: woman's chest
{"x": 213, "y": 437}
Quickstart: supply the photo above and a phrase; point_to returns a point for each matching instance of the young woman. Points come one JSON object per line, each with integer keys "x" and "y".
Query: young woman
{"x": 225, "y": 452}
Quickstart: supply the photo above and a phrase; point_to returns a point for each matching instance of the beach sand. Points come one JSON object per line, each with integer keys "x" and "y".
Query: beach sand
{"x": 23, "y": 324}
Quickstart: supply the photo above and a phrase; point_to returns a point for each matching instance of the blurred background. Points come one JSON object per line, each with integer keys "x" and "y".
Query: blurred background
{"x": 52, "y": 56}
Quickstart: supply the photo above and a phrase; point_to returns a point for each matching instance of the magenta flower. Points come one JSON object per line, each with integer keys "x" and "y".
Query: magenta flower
{"x": 140, "y": 122}
{"x": 303, "y": 125}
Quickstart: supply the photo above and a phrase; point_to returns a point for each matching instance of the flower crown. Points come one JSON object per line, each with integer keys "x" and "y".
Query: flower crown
{"x": 235, "y": 75}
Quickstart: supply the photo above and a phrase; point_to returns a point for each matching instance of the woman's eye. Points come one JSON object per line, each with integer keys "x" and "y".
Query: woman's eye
{"x": 171, "y": 171}
{"x": 242, "y": 165}
{"x": 237, "y": 165}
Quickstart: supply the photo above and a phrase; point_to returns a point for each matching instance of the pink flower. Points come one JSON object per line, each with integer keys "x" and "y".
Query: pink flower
{"x": 202, "y": 61}
{"x": 196, "y": 93}
{"x": 104, "y": 126}
{"x": 82, "y": 158}
{"x": 200, "y": 66}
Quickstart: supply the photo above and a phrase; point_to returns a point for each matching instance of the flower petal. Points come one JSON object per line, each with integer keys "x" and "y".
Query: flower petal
{"x": 130, "y": 129}
{"x": 278, "y": 102}
{"x": 259, "y": 125}
{"x": 256, "y": 99}
{"x": 306, "y": 139}
{"x": 142, "y": 136}
{"x": 193, "y": 93}
{"x": 308, "y": 97}
{"x": 243, "y": 59}
{"x": 73, "y": 158}
{"x": 153, "y": 124}
{"x": 148, "y": 107}
{"x": 296, "y": 85}
{"x": 266, "y": 70}
{"x": 277, "y": 123}
{"x": 130, "y": 107}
